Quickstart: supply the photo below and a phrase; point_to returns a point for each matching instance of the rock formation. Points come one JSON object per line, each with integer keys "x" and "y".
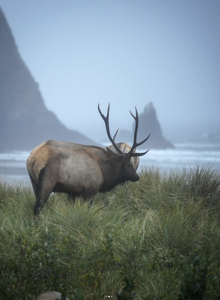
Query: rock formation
{"x": 148, "y": 123}
{"x": 25, "y": 121}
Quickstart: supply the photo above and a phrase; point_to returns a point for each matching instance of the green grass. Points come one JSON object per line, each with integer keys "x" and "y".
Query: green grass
{"x": 158, "y": 238}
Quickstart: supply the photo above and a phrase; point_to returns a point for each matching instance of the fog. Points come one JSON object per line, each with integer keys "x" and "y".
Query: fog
{"x": 126, "y": 53}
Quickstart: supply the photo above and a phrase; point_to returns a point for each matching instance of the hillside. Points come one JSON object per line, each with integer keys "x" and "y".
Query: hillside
{"x": 25, "y": 121}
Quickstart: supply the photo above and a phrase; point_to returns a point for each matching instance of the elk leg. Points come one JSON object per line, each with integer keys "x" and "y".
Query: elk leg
{"x": 46, "y": 188}
{"x": 42, "y": 198}
{"x": 35, "y": 187}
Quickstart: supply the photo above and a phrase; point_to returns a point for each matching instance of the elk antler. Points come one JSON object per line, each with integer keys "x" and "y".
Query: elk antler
{"x": 135, "y": 144}
{"x": 106, "y": 120}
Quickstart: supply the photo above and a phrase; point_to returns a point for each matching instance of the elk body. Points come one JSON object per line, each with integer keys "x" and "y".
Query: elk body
{"x": 96, "y": 150}
{"x": 79, "y": 170}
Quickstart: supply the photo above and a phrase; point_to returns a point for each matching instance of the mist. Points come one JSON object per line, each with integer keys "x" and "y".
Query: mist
{"x": 125, "y": 53}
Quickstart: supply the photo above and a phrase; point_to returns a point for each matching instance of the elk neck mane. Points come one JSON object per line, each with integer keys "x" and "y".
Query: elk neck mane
{"x": 112, "y": 172}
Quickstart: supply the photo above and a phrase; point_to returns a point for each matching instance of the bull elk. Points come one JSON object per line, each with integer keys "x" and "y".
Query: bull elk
{"x": 79, "y": 170}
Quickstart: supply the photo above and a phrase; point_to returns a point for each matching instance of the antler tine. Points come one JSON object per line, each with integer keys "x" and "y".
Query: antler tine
{"x": 106, "y": 120}
{"x": 139, "y": 154}
{"x": 138, "y": 144}
{"x": 135, "y": 132}
{"x": 115, "y": 134}
{"x": 136, "y": 128}
{"x": 135, "y": 144}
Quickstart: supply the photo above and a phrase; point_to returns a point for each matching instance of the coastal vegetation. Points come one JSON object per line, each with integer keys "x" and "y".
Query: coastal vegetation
{"x": 158, "y": 238}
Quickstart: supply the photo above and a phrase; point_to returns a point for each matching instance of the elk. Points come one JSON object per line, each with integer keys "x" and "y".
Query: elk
{"x": 80, "y": 171}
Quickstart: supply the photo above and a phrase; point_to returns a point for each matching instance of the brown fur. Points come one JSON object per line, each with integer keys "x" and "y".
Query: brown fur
{"x": 76, "y": 172}
{"x": 37, "y": 160}
{"x": 100, "y": 152}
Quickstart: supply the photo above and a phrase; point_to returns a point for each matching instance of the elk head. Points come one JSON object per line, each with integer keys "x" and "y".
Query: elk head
{"x": 128, "y": 171}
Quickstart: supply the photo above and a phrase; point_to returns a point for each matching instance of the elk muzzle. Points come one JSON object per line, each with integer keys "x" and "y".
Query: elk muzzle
{"x": 135, "y": 177}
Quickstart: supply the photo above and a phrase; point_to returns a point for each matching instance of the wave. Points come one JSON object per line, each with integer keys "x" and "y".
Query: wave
{"x": 13, "y": 164}
{"x": 181, "y": 152}
{"x": 15, "y": 155}
{"x": 182, "y": 155}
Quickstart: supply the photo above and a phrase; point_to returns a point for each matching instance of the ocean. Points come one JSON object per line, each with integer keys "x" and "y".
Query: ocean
{"x": 187, "y": 155}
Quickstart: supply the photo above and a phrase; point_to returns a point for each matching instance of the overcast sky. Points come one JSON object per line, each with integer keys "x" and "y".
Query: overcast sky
{"x": 127, "y": 53}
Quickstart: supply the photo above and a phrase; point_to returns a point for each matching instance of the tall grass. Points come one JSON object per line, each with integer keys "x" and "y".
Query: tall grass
{"x": 153, "y": 235}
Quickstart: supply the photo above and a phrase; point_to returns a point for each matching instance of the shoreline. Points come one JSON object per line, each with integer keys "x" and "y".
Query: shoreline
{"x": 13, "y": 164}
{"x": 13, "y": 171}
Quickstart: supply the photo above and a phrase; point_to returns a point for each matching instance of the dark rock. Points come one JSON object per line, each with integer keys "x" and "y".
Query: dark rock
{"x": 148, "y": 123}
{"x": 25, "y": 122}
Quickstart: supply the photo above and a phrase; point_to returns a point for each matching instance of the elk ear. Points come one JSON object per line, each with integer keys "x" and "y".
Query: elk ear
{"x": 110, "y": 152}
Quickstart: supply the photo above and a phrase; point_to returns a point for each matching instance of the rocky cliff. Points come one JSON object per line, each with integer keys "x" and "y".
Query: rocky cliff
{"x": 25, "y": 122}
{"x": 148, "y": 123}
